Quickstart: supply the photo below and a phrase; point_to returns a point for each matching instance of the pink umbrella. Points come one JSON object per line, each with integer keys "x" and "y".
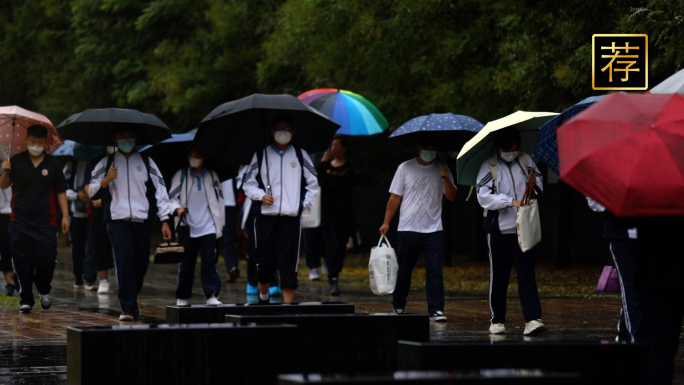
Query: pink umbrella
{"x": 14, "y": 121}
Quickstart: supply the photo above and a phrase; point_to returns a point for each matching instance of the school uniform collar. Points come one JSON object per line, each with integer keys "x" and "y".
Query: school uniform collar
{"x": 281, "y": 153}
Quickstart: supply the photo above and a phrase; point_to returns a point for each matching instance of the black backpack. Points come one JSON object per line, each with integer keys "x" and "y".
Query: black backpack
{"x": 256, "y": 205}
{"x": 150, "y": 193}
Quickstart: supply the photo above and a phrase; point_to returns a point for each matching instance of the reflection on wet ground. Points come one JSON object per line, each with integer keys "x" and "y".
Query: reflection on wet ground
{"x": 33, "y": 346}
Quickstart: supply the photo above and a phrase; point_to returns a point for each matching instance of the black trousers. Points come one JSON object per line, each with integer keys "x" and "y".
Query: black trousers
{"x": 251, "y": 255}
{"x": 230, "y": 253}
{"x": 102, "y": 245}
{"x": 335, "y": 236}
{"x": 78, "y": 237}
{"x": 313, "y": 242}
{"x": 663, "y": 319}
{"x": 503, "y": 252}
{"x": 624, "y": 253}
{"x": 277, "y": 246}
{"x": 34, "y": 252}
{"x": 5, "y": 248}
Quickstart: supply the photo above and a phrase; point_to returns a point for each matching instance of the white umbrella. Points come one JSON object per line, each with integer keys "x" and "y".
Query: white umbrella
{"x": 481, "y": 146}
{"x": 673, "y": 84}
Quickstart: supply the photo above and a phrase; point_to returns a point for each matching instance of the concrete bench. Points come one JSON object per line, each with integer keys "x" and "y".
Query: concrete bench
{"x": 212, "y": 314}
{"x": 340, "y": 342}
{"x": 597, "y": 362}
{"x": 181, "y": 354}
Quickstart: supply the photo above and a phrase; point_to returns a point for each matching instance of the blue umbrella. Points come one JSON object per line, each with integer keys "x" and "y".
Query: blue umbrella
{"x": 547, "y": 144}
{"x": 67, "y": 149}
{"x": 448, "y": 131}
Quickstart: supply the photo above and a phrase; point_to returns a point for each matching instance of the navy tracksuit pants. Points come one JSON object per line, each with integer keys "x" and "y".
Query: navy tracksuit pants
{"x": 503, "y": 252}
{"x": 209, "y": 276}
{"x": 131, "y": 242}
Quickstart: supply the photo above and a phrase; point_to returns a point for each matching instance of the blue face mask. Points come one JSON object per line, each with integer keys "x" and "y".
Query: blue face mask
{"x": 126, "y": 145}
{"x": 428, "y": 156}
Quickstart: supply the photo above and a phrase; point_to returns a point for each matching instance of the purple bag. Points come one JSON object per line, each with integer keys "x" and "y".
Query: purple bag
{"x": 609, "y": 282}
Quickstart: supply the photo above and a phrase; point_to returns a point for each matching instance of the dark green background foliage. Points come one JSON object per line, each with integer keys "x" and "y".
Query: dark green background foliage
{"x": 179, "y": 59}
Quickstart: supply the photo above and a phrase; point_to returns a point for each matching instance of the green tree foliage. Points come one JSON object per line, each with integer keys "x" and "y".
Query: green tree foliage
{"x": 663, "y": 21}
{"x": 181, "y": 58}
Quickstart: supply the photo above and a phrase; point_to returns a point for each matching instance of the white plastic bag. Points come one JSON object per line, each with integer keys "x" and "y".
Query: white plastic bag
{"x": 528, "y": 225}
{"x": 311, "y": 216}
{"x": 383, "y": 268}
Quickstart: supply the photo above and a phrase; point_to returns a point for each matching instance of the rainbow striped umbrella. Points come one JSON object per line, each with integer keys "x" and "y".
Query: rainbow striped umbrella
{"x": 354, "y": 113}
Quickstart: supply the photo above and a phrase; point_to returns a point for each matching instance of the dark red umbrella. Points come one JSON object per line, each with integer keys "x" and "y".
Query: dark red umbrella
{"x": 627, "y": 152}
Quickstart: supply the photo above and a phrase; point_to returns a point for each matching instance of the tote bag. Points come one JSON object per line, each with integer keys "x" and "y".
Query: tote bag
{"x": 383, "y": 268}
{"x": 527, "y": 220}
{"x": 311, "y": 216}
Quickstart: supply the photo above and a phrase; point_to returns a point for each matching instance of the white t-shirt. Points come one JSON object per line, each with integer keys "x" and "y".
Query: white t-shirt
{"x": 199, "y": 218}
{"x": 421, "y": 188}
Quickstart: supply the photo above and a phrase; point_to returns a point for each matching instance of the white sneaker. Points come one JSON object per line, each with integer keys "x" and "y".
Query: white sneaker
{"x": 534, "y": 327}
{"x": 497, "y": 329}
{"x": 438, "y": 317}
{"x": 213, "y": 301}
{"x": 90, "y": 287}
{"x": 181, "y": 302}
{"x": 313, "y": 275}
{"x": 104, "y": 287}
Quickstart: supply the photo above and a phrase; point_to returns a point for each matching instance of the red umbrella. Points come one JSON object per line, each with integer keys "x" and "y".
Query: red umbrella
{"x": 627, "y": 152}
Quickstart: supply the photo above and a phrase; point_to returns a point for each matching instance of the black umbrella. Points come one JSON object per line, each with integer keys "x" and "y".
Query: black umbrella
{"x": 234, "y": 131}
{"x": 96, "y": 126}
{"x": 171, "y": 155}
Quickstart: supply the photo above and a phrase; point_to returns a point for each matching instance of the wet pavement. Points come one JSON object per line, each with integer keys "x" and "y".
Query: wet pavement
{"x": 33, "y": 346}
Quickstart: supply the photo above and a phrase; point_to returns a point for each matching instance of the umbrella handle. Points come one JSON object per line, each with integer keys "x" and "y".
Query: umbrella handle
{"x": 470, "y": 192}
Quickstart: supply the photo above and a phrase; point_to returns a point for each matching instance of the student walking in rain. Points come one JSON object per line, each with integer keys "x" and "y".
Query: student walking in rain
{"x": 417, "y": 187}
{"x": 196, "y": 197}
{"x": 501, "y": 184}
{"x": 128, "y": 203}
{"x": 39, "y": 188}
{"x": 283, "y": 180}
{"x": 337, "y": 178}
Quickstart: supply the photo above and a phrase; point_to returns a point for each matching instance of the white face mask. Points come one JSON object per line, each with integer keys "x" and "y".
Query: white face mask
{"x": 283, "y": 137}
{"x": 195, "y": 162}
{"x": 509, "y": 156}
{"x": 428, "y": 156}
{"x": 35, "y": 150}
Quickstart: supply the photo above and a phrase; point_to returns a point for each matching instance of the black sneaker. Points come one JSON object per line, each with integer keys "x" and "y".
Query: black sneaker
{"x": 233, "y": 275}
{"x": 334, "y": 288}
{"x": 9, "y": 289}
{"x": 25, "y": 308}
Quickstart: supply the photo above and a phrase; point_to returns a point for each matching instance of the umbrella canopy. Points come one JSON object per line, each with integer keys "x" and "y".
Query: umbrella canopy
{"x": 96, "y": 126}
{"x": 625, "y": 152}
{"x": 234, "y": 131}
{"x": 66, "y": 149}
{"x": 447, "y": 131}
{"x": 354, "y": 113}
{"x": 171, "y": 155}
{"x": 672, "y": 85}
{"x": 14, "y": 121}
{"x": 481, "y": 146}
{"x": 547, "y": 144}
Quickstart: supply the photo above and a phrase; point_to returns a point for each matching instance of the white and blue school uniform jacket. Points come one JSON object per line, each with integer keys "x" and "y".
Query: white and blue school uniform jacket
{"x": 128, "y": 189}
{"x": 282, "y": 171}
{"x": 511, "y": 184}
{"x": 211, "y": 185}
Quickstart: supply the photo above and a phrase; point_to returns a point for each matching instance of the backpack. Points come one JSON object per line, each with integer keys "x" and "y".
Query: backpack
{"x": 490, "y": 222}
{"x": 256, "y": 205}
{"x": 149, "y": 187}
